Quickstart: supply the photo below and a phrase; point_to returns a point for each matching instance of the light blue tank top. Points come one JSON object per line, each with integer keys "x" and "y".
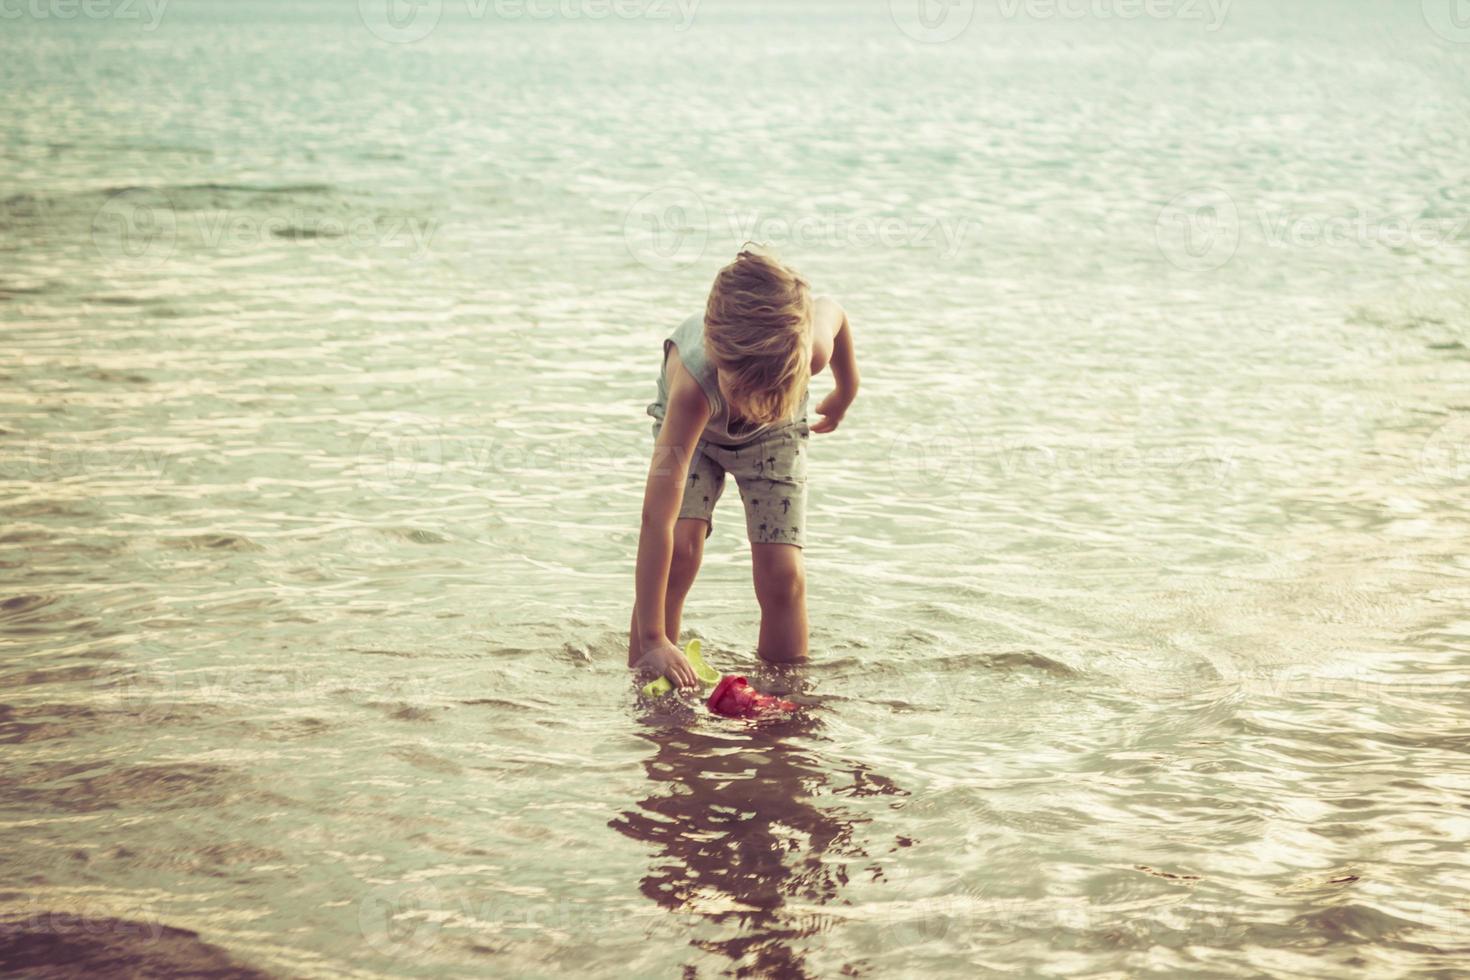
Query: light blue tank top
{"x": 721, "y": 429}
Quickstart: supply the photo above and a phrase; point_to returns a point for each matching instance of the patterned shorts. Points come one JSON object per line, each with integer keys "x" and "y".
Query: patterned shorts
{"x": 771, "y": 475}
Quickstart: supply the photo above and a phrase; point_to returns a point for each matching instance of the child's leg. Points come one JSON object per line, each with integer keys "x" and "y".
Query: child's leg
{"x": 772, "y": 478}
{"x": 689, "y": 534}
{"x": 780, "y": 588}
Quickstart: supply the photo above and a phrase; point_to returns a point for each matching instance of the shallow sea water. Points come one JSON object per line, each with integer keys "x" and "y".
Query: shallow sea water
{"x": 1137, "y": 574}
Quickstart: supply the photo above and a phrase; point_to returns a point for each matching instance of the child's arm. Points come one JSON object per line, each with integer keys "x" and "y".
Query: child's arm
{"x": 831, "y": 325}
{"x": 684, "y": 419}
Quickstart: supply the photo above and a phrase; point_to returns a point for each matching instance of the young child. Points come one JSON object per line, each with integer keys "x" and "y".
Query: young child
{"x": 732, "y": 398}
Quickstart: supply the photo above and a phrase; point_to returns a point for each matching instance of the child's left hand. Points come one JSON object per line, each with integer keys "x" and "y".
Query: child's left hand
{"x": 831, "y": 409}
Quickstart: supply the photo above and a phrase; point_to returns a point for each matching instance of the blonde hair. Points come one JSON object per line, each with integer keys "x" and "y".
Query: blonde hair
{"x": 758, "y": 334}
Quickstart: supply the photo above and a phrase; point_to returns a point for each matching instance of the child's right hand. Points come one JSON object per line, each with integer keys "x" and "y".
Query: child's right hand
{"x": 664, "y": 659}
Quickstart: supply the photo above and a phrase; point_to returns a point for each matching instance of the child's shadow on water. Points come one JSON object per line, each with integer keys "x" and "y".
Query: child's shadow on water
{"x": 748, "y": 834}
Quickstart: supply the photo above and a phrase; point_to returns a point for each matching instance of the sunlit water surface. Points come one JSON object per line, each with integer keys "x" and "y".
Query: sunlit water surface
{"x": 1137, "y": 573}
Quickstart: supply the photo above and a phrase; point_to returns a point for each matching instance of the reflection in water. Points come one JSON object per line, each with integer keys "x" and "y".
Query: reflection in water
{"x": 747, "y": 835}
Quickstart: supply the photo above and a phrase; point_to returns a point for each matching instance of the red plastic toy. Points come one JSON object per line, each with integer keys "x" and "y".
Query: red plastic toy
{"x": 734, "y": 698}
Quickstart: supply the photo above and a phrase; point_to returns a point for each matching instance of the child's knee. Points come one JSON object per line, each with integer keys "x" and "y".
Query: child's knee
{"x": 783, "y": 585}
{"x": 687, "y": 553}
